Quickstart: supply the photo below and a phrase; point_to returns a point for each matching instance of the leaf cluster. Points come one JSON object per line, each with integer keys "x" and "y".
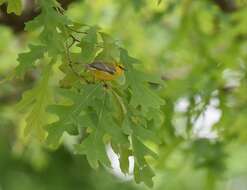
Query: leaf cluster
{"x": 121, "y": 114}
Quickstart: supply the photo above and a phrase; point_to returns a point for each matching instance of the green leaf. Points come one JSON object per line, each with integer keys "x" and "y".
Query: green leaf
{"x": 140, "y": 151}
{"x": 103, "y": 124}
{"x": 2, "y": 1}
{"x": 52, "y": 25}
{"x": 14, "y": 6}
{"x": 104, "y": 108}
{"x": 69, "y": 115}
{"x": 142, "y": 171}
{"x": 110, "y": 49}
{"x": 28, "y": 59}
{"x": 124, "y": 153}
{"x": 126, "y": 59}
{"x": 141, "y": 95}
{"x": 71, "y": 78}
{"x": 37, "y": 100}
{"x": 145, "y": 134}
{"x": 139, "y": 130}
{"x": 143, "y": 174}
{"x": 88, "y": 45}
{"x": 94, "y": 148}
{"x": 56, "y": 130}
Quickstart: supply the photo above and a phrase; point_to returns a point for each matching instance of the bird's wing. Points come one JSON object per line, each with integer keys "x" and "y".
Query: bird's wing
{"x": 102, "y": 67}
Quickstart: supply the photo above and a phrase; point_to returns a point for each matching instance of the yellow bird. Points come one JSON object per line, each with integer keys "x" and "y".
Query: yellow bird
{"x": 104, "y": 71}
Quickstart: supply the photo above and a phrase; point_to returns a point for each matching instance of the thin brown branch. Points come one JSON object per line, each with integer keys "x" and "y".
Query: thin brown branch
{"x": 227, "y": 6}
{"x": 70, "y": 63}
{"x": 76, "y": 31}
{"x": 30, "y": 10}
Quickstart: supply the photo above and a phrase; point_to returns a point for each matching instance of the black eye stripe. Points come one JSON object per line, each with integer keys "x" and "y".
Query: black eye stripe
{"x": 121, "y": 67}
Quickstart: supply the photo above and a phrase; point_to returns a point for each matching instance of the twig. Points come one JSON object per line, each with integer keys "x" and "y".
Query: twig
{"x": 73, "y": 41}
{"x": 76, "y": 31}
{"x": 30, "y": 11}
{"x": 70, "y": 64}
{"x": 227, "y": 6}
{"x": 74, "y": 38}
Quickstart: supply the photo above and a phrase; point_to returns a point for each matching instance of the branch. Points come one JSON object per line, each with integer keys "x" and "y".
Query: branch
{"x": 17, "y": 23}
{"x": 227, "y": 6}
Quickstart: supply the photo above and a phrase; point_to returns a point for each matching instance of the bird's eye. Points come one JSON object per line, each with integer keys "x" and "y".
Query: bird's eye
{"x": 121, "y": 67}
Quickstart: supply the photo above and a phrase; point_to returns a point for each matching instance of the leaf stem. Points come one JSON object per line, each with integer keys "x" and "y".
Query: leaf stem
{"x": 120, "y": 101}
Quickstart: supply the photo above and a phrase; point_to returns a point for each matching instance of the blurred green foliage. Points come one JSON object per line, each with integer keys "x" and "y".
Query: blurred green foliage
{"x": 194, "y": 56}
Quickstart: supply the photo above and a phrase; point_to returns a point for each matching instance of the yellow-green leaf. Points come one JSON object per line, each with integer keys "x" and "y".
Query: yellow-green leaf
{"x": 14, "y": 6}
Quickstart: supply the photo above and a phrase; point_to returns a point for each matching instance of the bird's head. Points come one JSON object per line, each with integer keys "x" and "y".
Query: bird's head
{"x": 119, "y": 69}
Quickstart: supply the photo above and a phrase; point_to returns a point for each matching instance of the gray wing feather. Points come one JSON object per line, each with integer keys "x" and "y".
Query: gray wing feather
{"x": 102, "y": 67}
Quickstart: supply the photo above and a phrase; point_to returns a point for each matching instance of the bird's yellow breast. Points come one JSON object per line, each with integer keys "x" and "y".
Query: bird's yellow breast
{"x": 102, "y": 75}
